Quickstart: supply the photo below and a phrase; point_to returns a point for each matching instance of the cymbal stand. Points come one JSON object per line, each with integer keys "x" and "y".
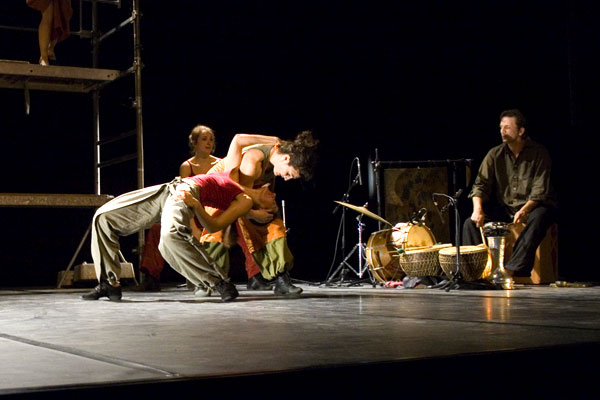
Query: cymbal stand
{"x": 344, "y": 267}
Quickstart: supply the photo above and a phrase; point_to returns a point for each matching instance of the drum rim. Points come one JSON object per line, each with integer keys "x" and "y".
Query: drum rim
{"x": 451, "y": 251}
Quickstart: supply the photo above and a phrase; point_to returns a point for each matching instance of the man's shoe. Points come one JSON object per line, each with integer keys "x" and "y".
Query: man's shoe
{"x": 227, "y": 290}
{"x": 257, "y": 282}
{"x": 104, "y": 290}
{"x": 149, "y": 284}
{"x": 202, "y": 291}
{"x": 283, "y": 285}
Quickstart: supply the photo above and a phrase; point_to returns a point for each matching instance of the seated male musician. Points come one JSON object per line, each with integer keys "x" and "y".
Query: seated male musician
{"x": 514, "y": 185}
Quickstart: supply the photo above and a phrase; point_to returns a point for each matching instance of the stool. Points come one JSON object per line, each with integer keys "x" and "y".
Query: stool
{"x": 545, "y": 266}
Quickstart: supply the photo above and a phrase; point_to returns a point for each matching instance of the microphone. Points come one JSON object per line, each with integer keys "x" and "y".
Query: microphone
{"x": 359, "y": 174}
{"x": 458, "y": 194}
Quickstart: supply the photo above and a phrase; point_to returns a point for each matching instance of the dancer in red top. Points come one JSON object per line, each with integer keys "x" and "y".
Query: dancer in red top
{"x": 174, "y": 204}
{"x": 202, "y": 144}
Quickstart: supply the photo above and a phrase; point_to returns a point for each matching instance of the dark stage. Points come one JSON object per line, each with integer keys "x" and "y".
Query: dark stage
{"x": 414, "y": 84}
{"x": 331, "y": 341}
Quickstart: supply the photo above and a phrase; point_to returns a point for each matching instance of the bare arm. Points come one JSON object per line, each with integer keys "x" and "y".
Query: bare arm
{"x": 251, "y": 167}
{"x": 521, "y": 215}
{"x": 238, "y": 207}
{"x": 478, "y": 215}
{"x": 241, "y": 140}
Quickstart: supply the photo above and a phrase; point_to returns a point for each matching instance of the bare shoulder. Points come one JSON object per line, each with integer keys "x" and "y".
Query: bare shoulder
{"x": 185, "y": 169}
{"x": 253, "y": 155}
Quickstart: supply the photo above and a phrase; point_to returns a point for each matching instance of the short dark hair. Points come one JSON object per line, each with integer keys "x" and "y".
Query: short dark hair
{"x": 518, "y": 115}
{"x": 302, "y": 152}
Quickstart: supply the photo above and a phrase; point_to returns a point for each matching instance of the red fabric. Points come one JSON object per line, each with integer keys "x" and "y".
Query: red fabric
{"x": 393, "y": 284}
{"x": 217, "y": 190}
{"x": 61, "y": 16}
{"x": 152, "y": 261}
{"x": 250, "y": 264}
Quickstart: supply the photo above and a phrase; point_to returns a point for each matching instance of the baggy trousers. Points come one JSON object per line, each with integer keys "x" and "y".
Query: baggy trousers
{"x": 140, "y": 209}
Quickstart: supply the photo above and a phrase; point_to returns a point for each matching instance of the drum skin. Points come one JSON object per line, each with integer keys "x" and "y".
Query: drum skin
{"x": 409, "y": 236}
{"x": 382, "y": 249}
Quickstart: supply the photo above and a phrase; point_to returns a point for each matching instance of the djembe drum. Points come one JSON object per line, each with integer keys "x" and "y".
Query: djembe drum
{"x": 473, "y": 262}
{"x": 422, "y": 262}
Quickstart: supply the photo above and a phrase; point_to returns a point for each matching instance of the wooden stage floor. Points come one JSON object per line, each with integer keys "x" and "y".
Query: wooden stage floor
{"x": 330, "y": 342}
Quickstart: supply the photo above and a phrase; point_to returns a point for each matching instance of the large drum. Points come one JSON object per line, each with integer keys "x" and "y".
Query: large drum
{"x": 406, "y": 235}
{"x": 382, "y": 249}
{"x": 475, "y": 262}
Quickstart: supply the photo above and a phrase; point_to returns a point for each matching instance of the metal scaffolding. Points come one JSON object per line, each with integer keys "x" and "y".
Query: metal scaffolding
{"x": 22, "y": 75}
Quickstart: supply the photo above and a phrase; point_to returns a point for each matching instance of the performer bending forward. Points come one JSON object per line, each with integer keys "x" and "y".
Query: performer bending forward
{"x": 174, "y": 204}
{"x": 262, "y": 235}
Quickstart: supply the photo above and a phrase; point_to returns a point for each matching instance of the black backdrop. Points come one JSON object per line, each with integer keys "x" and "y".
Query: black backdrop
{"x": 418, "y": 81}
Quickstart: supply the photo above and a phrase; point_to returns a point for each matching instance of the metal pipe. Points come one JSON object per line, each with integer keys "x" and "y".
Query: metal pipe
{"x": 116, "y": 29}
{"x": 96, "y": 103}
{"x": 118, "y": 160}
{"x": 124, "y": 135}
{"x": 137, "y": 63}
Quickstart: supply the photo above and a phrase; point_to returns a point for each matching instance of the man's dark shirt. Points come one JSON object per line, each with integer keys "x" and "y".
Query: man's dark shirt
{"x": 512, "y": 182}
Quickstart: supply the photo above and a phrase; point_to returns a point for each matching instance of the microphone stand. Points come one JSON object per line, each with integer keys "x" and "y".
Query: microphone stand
{"x": 456, "y": 277}
{"x": 376, "y": 167}
{"x": 456, "y": 280}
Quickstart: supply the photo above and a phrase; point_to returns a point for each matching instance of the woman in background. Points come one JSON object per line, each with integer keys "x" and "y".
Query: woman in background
{"x": 202, "y": 143}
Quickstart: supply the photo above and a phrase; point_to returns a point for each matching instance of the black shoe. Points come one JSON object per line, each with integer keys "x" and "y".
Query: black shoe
{"x": 227, "y": 290}
{"x": 283, "y": 285}
{"x": 104, "y": 290}
{"x": 149, "y": 284}
{"x": 257, "y": 282}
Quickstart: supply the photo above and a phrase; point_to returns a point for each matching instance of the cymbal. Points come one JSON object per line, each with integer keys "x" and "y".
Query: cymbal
{"x": 364, "y": 211}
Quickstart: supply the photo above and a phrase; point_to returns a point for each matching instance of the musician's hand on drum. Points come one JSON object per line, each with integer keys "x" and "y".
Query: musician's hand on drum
{"x": 478, "y": 217}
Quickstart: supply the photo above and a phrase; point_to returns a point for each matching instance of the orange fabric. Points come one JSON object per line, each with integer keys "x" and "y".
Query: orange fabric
{"x": 250, "y": 265}
{"x": 256, "y": 236}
